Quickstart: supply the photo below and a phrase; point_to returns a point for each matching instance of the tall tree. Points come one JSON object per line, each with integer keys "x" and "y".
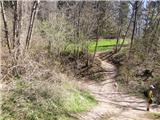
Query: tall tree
{"x": 135, "y": 11}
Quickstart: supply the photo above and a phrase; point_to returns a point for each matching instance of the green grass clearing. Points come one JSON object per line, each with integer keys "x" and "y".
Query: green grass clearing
{"x": 103, "y": 43}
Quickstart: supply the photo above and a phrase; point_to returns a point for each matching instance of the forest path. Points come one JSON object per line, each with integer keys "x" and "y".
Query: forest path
{"x": 113, "y": 104}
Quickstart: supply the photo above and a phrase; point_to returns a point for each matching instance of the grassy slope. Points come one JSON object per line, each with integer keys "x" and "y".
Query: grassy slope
{"x": 44, "y": 101}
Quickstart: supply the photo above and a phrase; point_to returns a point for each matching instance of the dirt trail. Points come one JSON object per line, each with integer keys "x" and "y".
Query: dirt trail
{"x": 116, "y": 105}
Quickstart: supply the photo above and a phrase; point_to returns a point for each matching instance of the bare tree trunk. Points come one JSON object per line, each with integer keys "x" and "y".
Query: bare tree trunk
{"x": 31, "y": 23}
{"x": 80, "y": 5}
{"x": 14, "y": 22}
{"x": 5, "y": 26}
{"x": 78, "y": 30}
{"x": 117, "y": 41}
{"x": 87, "y": 52}
{"x": 17, "y": 23}
{"x": 134, "y": 27}
{"x": 19, "y": 28}
{"x": 124, "y": 37}
{"x": 95, "y": 50}
{"x": 16, "y": 35}
{"x": 97, "y": 33}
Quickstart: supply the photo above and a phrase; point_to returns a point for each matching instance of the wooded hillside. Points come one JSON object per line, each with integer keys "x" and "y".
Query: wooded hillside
{"x": 52, "y": 51}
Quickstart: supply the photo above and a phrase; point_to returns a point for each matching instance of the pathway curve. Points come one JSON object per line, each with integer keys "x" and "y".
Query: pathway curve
{"x": 116, "y": 105}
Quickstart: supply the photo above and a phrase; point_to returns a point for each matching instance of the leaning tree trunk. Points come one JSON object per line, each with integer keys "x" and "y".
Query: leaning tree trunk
{"x": 5, "y": 26}
{"x": 124, "y": 37}
{"x": 95, "y": 50}
{"x": 31, "y": 23}
{"x": 134, "y": 27}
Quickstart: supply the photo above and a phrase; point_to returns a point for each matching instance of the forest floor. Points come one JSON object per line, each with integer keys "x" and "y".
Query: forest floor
{"x": 112, "y": 103}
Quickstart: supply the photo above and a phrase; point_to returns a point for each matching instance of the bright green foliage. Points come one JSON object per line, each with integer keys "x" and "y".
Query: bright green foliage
{"x": 70, "y": 47}
{"x": 104, "y": 44}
